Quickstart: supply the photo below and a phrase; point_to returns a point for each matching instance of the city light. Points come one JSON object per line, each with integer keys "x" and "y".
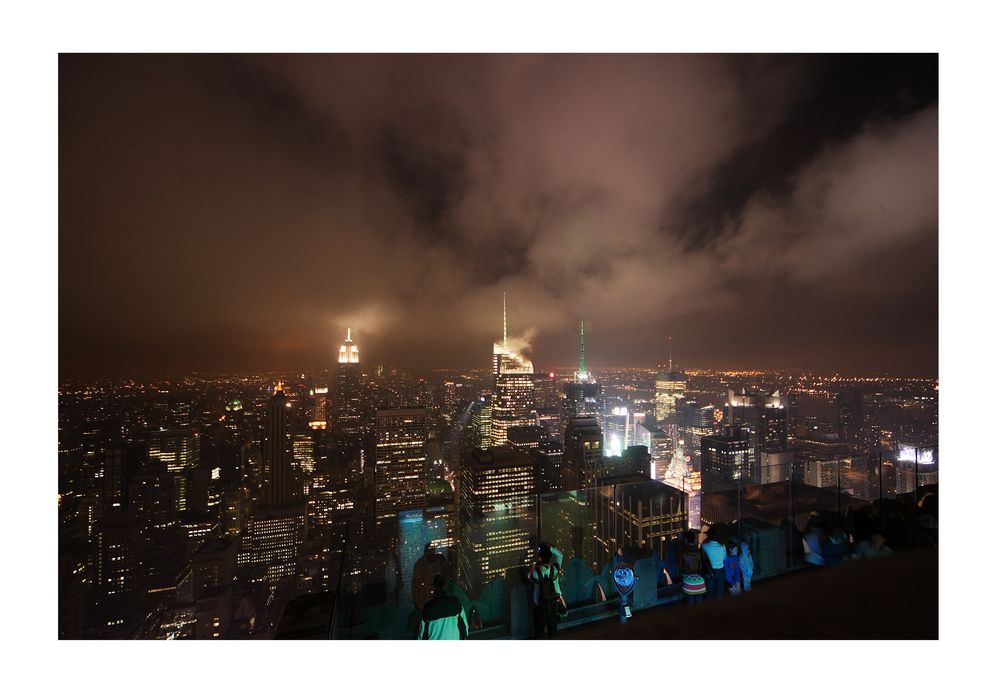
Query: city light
{"x": 513, "y": 241}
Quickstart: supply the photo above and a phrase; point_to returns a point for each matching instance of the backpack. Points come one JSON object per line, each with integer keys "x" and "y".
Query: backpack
{"x": 548, "y": 592}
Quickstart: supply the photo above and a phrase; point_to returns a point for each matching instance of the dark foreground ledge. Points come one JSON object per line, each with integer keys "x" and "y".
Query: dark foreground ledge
{"x": 893, "y": 597}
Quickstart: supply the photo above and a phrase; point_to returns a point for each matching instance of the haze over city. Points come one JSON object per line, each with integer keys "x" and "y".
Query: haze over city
{"x": 240, "y": 212}
{"x": 446, "y": 347}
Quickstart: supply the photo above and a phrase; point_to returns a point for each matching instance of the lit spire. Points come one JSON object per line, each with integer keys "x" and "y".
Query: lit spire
{"x": 348, "y": 351}
{"x": 670, "y": 343}
{"x": 581, "y": 375}
{"x": 504, "y": 319}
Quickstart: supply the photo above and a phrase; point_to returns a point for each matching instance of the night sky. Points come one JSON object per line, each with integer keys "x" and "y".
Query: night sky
{"x": 238, "y": 213}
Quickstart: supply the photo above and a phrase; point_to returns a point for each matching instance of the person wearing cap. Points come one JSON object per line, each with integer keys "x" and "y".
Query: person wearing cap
{"x": 443, "y": 617}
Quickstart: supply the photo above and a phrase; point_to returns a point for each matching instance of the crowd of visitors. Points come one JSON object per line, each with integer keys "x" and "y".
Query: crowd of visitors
{"x": 723, "y": 565}
{"x": 829, "y": 545}
{"x": 441, "y": 615}
{"x": 713, "y": 563}
{"x": 711, "y": 569}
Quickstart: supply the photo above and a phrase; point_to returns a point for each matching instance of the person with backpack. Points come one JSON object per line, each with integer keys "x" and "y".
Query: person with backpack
{"x": 549, "y": 604}
{"x": 443, "y": 617}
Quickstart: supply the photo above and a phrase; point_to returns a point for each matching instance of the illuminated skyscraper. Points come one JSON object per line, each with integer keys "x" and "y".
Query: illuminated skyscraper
{"x": 451, "y": 397}
{"x": 583, "y": 396}
{"x": 481, "y": 422}
{"x": 633, "y": 461}
{"x": 763, "y": 416}
{"x": 583, "y": 458}
{"x": 401, "y": 460}
{"x": 618, "y": 431}
{"x": 319, "y": 418}
{"x": 347, "y": 405}
{"x": 582, "y": 375}
{"x": 548, "y": 457}
{"x": 496, "y": 514}
{"x": 153, "y": 495}
{"x": 120, "y": 464}
{"x": 526, "y": 437}
{"x": 499, "y": 350}
{"x": 914, "y": 467}
{"x": 179, "y": 451}
{"x": 513, "y": 391}
{"x": 725, "y": 459}
{"x": 119, "y": 572}
{"x": 546, "y": 394}
{"x": 303, "y": 449}
{"x": 271, "y": 542}
{"x": 662, "y": 448}
{"x": 671, "y": 385}
{"x": 644, "y": 515}
{"x": 514, "y": 397}
{"x": 279, "y": 484}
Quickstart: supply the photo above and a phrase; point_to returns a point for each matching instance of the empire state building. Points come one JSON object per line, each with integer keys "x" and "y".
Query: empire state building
{"x": 347, "y": 403}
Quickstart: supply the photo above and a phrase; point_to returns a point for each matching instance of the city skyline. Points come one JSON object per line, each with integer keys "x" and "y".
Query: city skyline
{"x": 475, "y": 346}
{"x": 207, "y": 205}
{"x": 567, "y": 368}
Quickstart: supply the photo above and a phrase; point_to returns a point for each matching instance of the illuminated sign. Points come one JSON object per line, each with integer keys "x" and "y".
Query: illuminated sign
{"x": 909, "y": 454}
{"x": 615, "y": 446}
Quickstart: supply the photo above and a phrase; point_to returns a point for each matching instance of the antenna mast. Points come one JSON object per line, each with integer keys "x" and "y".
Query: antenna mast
{"x": 504, "y": 319}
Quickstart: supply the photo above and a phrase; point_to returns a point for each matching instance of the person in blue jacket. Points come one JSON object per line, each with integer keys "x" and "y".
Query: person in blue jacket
{"x": 443, "y": 617}
{"x": 733, "y": 572}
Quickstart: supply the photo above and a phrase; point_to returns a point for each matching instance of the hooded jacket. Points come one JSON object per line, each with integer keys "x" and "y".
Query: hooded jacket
{"x": 443, "y": 617}
{"x": 746, "y": 561}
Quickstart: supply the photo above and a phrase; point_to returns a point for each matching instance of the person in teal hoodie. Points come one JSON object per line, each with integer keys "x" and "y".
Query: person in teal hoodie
{"x": 443, "y": 617}
{"x": 715, "y": 552}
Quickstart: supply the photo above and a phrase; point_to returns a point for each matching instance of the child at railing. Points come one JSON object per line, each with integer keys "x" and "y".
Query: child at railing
{"x": 693, "y": 569}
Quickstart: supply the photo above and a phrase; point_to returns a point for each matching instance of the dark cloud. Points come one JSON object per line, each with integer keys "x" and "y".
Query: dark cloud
{"x": 240, "y": 211}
